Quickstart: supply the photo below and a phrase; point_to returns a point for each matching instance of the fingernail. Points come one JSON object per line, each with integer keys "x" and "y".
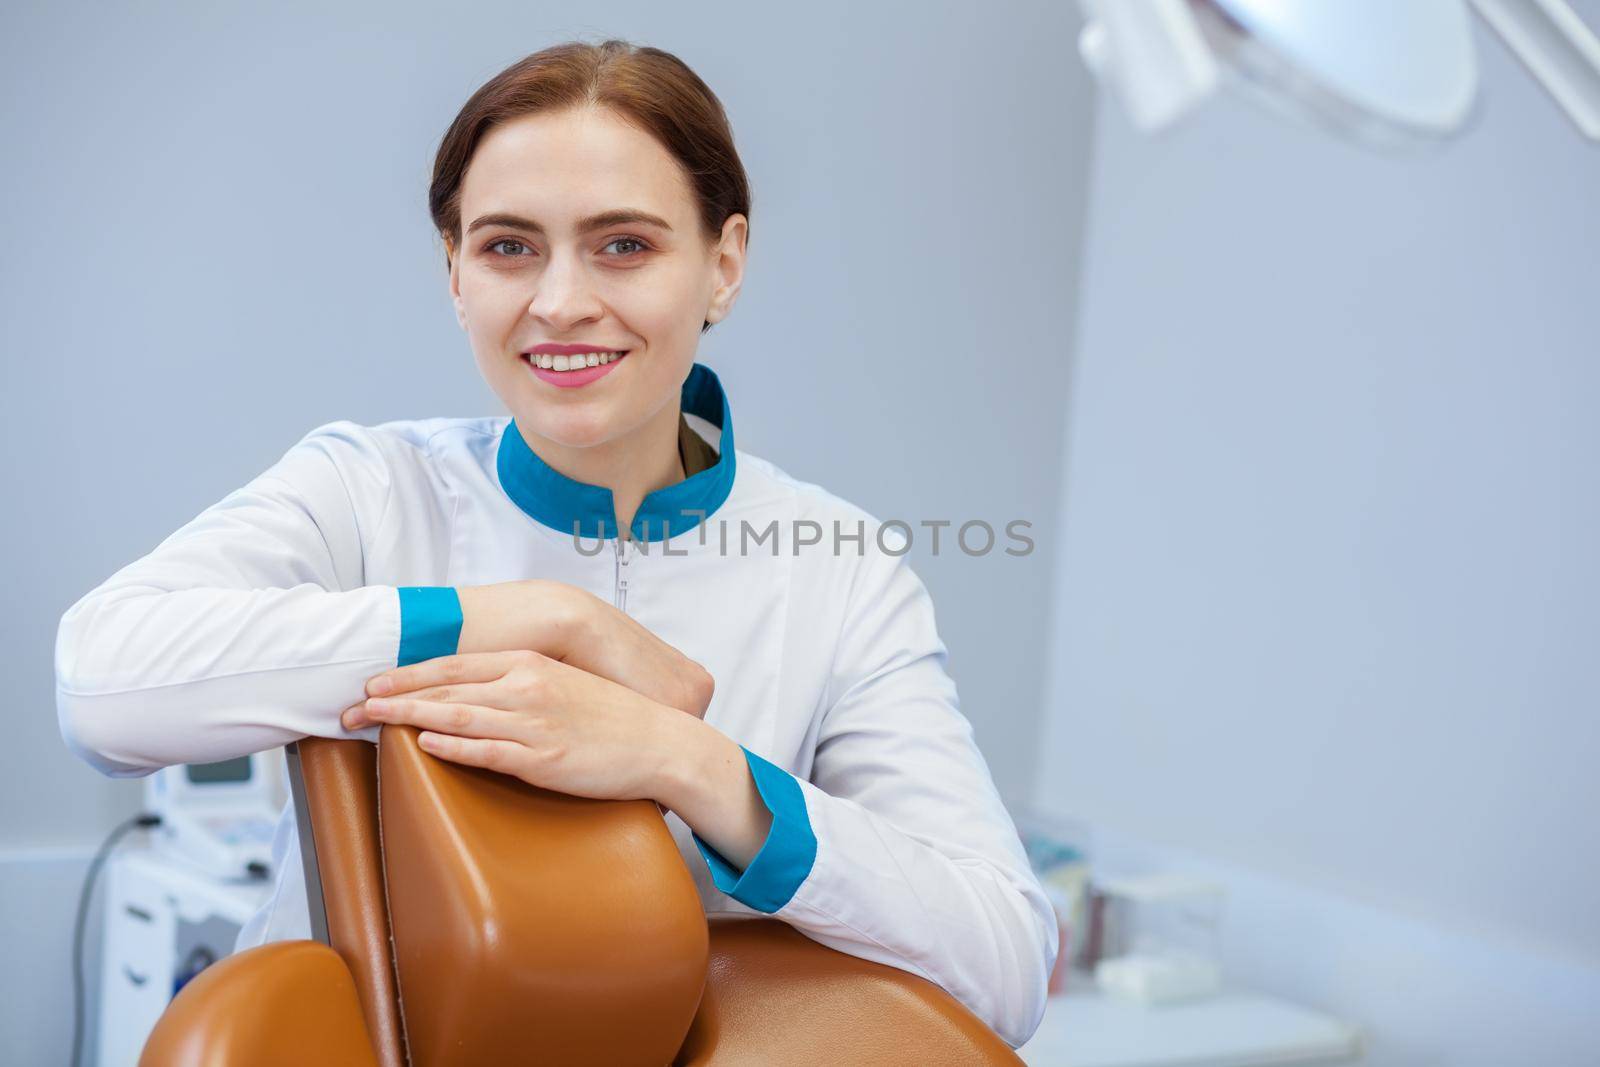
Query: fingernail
{"x": 380, "y": 684}
{"x": 377, "y": 704}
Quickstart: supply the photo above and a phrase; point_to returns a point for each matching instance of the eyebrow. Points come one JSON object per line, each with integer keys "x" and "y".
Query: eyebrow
{"x": 617, "y": 217}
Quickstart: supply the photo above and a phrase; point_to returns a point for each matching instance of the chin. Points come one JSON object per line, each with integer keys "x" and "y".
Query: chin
{"x": 570, "y": 427}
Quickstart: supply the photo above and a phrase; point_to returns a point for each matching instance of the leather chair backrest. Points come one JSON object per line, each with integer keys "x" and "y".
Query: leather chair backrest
{"x": 533, "y": 926}
{"x": 336, "y": 801}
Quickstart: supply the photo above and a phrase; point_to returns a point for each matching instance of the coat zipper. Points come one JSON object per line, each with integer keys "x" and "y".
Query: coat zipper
{"x": 621, "y": 595}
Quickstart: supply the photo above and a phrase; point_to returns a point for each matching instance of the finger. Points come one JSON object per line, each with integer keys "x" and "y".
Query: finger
{"x": 351, "y": 717}
{"x": 507, "y": 757}
{"x": 441, "y": 670}
{"x": 461, "y": 719}
{"x": 486, "y": 694}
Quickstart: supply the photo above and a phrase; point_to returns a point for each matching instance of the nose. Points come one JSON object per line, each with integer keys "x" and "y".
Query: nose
{"x": 564, "y": 295}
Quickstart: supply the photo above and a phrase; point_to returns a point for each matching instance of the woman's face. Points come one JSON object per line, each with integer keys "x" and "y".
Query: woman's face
{"x": 531, "y": 270}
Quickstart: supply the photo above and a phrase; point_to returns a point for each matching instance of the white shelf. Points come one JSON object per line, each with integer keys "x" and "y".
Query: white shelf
{"x": 1085, "y": 1028}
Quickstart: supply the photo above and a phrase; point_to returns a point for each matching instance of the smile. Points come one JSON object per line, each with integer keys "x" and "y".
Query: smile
{"x": 572, "y": 371}
{"x": 576, "y": 361}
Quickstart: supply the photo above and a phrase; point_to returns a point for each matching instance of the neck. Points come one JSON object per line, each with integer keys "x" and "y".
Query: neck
{"x": 630, "y": 466}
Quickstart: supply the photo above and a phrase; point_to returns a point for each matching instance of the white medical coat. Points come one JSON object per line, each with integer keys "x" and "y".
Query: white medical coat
{"x": 260, "y": 620}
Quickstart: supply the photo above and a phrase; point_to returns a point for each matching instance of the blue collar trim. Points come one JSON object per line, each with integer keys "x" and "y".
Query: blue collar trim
{"x": 585, "y": 510}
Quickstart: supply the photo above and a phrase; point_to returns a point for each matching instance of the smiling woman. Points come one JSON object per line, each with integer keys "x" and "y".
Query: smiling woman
{"x": 790, "y": 711}
{"x": 602, "y": 184}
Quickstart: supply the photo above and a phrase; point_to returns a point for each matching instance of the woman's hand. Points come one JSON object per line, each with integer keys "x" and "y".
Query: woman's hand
{"x": 576, "y": 627}
{"x": 552, "y": 724}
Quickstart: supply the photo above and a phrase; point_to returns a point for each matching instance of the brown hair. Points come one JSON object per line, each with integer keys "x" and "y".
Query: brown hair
{"x": 654, "y": 90}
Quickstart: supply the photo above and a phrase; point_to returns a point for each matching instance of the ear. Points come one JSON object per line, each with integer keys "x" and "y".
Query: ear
{"x": 455, "y": 281}
{"x": 728, "y": 267}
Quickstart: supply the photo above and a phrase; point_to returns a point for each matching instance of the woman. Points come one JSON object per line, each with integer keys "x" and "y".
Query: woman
{"x": 595, "y": 595}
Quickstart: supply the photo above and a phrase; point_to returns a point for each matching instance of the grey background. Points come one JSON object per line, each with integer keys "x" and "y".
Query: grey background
{"x": 218, "y": 239}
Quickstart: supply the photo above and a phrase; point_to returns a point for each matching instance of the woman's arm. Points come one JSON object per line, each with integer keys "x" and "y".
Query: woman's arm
{"x": 251, "y": 625}
{"x": 898, "y": 849}
{"x": 710, "y": 787}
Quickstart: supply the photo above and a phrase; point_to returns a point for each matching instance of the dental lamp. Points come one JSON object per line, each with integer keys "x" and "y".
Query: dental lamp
{"x": 1385, "y": 73}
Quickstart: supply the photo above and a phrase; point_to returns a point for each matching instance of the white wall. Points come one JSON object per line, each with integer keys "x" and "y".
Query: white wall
{"x": 1328, "y": 599}
{"x": 217, "y": 238}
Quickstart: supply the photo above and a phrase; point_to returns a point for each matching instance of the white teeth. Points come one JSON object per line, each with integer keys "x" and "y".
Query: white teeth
{"x": 573, "y": 362}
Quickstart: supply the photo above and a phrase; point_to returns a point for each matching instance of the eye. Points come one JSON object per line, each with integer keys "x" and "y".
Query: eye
{"x": 490, "y": 247}
{"x": 628, "y": 240}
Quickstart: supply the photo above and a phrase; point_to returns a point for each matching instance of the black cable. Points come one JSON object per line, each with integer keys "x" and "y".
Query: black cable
{"x": 145, "y": 819}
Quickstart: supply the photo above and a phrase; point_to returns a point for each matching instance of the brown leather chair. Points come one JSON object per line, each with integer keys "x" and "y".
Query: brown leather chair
{"x": 463, "y": 917}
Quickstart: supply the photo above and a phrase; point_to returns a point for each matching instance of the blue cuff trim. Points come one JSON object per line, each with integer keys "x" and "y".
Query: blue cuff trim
{"x": 786, "y": 855}
{"x": 430, "y": 623}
